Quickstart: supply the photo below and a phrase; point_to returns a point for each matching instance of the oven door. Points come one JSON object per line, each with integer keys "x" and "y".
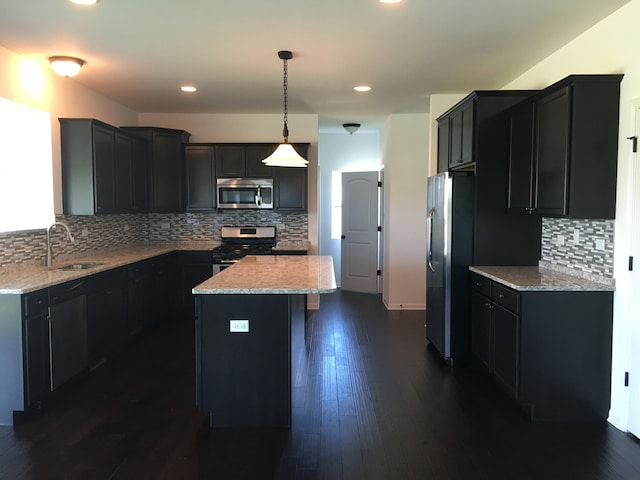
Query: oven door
{"x": 244, "y": 193}
{"x": 218, "y": 267}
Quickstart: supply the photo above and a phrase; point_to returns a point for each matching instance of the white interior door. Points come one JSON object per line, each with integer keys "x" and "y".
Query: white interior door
{"x": 634, "y": 306}
{"x": 359, "y": 246}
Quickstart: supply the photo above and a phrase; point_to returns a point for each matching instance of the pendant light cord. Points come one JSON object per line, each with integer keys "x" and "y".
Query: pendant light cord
{"x": 285, "y": 88}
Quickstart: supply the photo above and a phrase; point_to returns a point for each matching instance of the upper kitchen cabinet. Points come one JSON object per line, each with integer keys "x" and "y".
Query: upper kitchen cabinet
{"x": 290, "y": 184}
{"x": 462, "y": 131}
{"x": 99, "y": 168}
{"x": 481, "y": 127}
{"x": 457, "y": 136}
{"x": 166, "y": 177}
{"x": 564, "y": 148}
{"x": 200, "y": 162}
{"x": 243, "y": 160}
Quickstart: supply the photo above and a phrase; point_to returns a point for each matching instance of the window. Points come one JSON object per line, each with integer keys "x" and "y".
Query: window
{"x": 26, "y": 176}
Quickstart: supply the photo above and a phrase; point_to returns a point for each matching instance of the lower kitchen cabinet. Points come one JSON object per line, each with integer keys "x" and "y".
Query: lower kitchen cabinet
{"x": 106, "y": 314}
{"x": 549, "y": 350}
{"x": 194, "y": 268}
{"x": 37, "y": 380}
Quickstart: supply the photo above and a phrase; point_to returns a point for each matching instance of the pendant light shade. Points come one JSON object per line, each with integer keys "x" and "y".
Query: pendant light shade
{"x": 285, "y": 155}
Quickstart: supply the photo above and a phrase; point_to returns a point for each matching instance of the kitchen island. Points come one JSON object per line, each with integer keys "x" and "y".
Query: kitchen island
{"x": 243, "y": 336}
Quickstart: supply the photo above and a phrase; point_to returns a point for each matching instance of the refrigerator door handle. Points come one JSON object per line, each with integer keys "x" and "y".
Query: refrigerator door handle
{"x": 430, "y": 239}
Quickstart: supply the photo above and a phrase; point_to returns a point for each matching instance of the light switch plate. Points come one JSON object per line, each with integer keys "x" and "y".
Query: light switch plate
{"x": 239, "y": 326}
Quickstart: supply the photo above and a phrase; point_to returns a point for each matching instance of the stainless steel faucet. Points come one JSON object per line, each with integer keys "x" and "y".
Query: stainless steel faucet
{"x": 69, "y": 237}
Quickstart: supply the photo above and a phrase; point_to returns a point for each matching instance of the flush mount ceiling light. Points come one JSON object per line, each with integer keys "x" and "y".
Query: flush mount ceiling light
{"x": 285, "y": 155}
{"x": 188, "y": 88}
{"x": 362, "y": 88}
{"x": 351, "y": 127}
{"x": 66, "y": 66}
{"x": 84, "y": 2}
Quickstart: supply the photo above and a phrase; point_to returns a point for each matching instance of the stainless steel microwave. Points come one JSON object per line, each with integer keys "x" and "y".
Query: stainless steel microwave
{"x": 244, "y": 192}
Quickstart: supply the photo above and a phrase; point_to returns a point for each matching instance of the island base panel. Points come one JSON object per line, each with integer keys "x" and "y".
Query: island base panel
{"x": 244, "y": 377}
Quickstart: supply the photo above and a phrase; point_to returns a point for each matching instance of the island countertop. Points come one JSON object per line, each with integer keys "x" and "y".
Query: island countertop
{"x": 273, "y": 274}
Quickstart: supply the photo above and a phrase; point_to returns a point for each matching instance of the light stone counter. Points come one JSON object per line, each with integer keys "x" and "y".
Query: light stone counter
{"x": 539, "y": 279}
{"x": 273, "y": 274}
{"x": 25, "y": 279}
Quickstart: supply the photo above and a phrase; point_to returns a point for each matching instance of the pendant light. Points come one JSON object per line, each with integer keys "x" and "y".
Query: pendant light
{"x": 285, "y": 155}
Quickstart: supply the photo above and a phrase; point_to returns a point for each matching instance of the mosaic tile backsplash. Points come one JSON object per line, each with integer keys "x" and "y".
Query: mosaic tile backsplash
{"x": 101, "y": 232}
{"x": 579, "y": 247}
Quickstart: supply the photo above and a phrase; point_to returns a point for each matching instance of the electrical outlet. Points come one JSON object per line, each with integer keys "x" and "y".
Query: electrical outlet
{"x": 599, "y": 244}
{"x": 560, "y": 240}
{"x": 85, "y": 232}
{"x": 239, "y": 326}
{"x": 576, "y": 236}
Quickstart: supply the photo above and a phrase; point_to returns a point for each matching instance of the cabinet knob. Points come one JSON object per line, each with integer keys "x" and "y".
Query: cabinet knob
{"x": 501, "y": 295}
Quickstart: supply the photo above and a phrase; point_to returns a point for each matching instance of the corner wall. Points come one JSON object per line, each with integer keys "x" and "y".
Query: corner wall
{"x": 406, "y": 164}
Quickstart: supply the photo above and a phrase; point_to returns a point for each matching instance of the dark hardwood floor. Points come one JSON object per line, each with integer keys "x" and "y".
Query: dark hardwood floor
{"x": 370, "y": 400}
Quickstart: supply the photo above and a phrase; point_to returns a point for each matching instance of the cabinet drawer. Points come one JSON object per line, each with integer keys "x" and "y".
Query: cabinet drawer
{"x": 506, "y": 297}
{"x": 481, "y": 285}
{"x": 35, "y": 302}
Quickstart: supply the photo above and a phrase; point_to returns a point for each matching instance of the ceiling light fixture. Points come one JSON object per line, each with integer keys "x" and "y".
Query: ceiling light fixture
{"x": 362, "y": 88}
{"x": 351, "y": 127}
{"x": 84, "y": 2}
{"x": 285, "y": 155}
{"x": 188, "y": 88}
{"x": 66, "y": 66}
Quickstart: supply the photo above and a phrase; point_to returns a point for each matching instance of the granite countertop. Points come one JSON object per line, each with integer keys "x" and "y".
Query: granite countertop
{"x": 25, "y": 279}
{"x": 292, "y": 245}
{"x": 273, "y": 274}
{"x": 539, "y": 279}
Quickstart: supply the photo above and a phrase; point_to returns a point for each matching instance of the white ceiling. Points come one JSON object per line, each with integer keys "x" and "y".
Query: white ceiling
{"x": 139, "y": 52}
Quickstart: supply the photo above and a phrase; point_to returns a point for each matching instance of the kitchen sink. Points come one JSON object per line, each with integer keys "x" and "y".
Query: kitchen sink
{"x": 81, "y": 266}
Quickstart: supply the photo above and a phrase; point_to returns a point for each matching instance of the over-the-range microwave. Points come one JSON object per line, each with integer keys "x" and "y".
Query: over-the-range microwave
{"x": 244, "y": 192}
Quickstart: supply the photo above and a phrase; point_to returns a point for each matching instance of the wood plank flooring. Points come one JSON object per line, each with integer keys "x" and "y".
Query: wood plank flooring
{"x": 370, "y": 401}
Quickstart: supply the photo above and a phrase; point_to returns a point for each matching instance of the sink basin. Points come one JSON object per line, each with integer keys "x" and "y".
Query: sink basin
{"x": 81, "y": 266}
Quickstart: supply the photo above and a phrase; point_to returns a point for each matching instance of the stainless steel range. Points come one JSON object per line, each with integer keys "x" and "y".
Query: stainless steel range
{"x": 236, "y": 242}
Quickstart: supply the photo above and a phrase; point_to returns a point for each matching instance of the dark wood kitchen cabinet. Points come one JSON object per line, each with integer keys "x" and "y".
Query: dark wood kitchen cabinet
{"x": 131, "y": 173}
{"x": 88, "y": 166}
{"x": 201, "y": 177}
{"x": 243, "y": 160}
{"x": 499, "y": 238}
{"x": 165, "y": 169}
{"x": 549, "y": 350}
{"x": 194, "y": 268}
{"x": 290, "y": 184}
{"x": 101, "y": 168}
{"x": 37, "y": 383}
{"x": 473, "y": 126}
{"x": 106, "y": 313}
{"x": 564, "y": 147}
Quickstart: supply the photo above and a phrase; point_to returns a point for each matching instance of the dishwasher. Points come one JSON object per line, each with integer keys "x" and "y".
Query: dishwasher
{"x": 68, "y": 331}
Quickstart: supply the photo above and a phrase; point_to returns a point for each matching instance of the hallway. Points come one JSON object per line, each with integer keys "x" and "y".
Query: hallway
{"x": 370, "y": 401}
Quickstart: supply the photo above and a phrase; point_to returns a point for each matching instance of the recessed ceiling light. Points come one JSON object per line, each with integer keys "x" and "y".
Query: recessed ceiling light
{"x": 188, "y": 88}
{"x": 362, "y": 88}
{"x": 390, "y": 1}
{"x": 84, "y": 2}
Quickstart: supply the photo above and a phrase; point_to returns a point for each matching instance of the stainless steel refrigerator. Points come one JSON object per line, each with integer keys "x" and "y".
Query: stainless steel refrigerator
{"x": 450, "y": 217}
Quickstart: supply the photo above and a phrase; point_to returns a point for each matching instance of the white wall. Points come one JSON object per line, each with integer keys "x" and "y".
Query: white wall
{"x": 611, "y": 46}
{"x": 342, "y": 152}
{"x": 36, "y": 85}
{"x": 405, "y": 159}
